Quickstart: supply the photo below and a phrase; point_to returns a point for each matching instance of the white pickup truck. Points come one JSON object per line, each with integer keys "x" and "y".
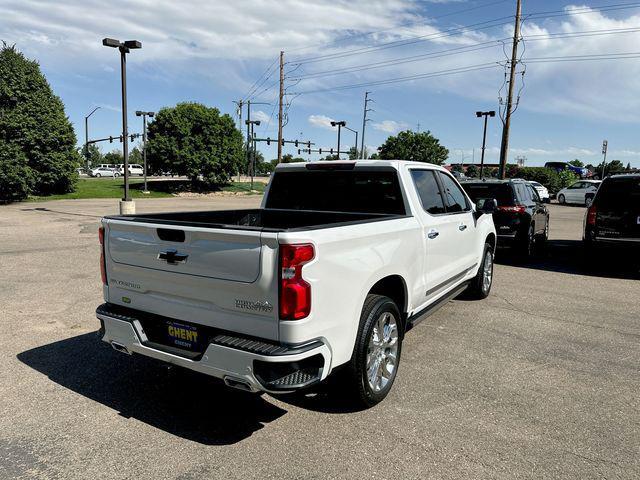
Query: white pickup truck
{"x": 339, "y": 262}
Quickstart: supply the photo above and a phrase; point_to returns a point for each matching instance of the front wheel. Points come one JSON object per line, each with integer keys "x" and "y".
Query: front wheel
{"x": 561, "y": 199}
{"x": 481, "y": 284}
{"x": 98, "y": 175}
{"x": 376, "y": 355}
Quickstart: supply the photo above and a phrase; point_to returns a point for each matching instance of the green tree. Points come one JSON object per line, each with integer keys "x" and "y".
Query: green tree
{"x": 135, "y": 156}
{"x": 472, "y": 171}
{"x": 288, "y": 158}
{"x": 416, "y": 146}
{"x": 95, "y": 155}
{"x": 457, "y": 167}
{"x": 15, "y": 174}
{"x": 113, "y": 157}
{"x": 576, "y": 163}
{"x": 37, "y": 126}
{"x": 192, "y": 139}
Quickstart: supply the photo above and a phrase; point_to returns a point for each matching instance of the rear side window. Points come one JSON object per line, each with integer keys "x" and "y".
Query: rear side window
{"x": 619, "y": 193}
{"x": 428, "y": 190}
{"x": 533, "y": 193}
{"x": 362, "y": 191}
{"x": 454, "y": 196}
{"x": 522, "y": 193}
{"x": 502, "y": 192}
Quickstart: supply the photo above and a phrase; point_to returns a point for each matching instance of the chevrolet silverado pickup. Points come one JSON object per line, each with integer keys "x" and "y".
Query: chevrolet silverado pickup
{"x": 338, "y": 263}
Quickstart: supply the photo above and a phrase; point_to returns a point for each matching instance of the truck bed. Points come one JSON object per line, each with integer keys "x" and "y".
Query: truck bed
{"x": 274, "y": 220}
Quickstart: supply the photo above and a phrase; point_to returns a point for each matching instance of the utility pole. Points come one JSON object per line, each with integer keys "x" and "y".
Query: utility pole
{"x": 251, "y": 146}
{"x": 605, "y": 146}
{"x": 492, "y": 113}
{"x": 364, "y": 122}
{"x": 280, "y": 106}
{"x": 144, "y": 116}
{"x": 504, "y": 147}
{"x": 248, "y": 123}
{"x": 339, "y": 125}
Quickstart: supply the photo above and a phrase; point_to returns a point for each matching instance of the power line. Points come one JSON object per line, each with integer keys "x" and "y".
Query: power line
{"x": 402, "y": 25}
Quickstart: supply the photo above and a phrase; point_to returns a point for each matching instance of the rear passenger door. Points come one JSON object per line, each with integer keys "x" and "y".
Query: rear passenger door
{"x": 539, "y": 210}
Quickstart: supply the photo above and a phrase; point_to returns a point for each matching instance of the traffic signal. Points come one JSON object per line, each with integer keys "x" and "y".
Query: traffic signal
{"x": 110, "y": 139}
{"x": 298, "y": 151}
{"x": 296, "y": 142}
{"x": 320, "y": 151}
{"x": 268, "y": 140}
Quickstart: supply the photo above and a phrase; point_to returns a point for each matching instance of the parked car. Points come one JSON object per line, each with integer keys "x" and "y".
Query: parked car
{"x": 581, "y": 192}
{"x": 134, "y": 169}
{"x": 276, "y": 299}
{"x": 560, "y": 166}
{"x": 541, "y": 189}
{"x": 613, "y": 218}
{"x": 521, "y": 218}
{"x": 104, "y": 172}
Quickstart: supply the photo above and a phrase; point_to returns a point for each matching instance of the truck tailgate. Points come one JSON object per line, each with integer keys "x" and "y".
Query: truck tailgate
{"x": 220, "y": 278}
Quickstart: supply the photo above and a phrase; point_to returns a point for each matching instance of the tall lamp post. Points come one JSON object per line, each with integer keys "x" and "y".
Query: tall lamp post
{"x": 356, "y": 132}
{"x": 484, "y": 136}
{"x": 144, "y": 116}
{"x": 339, "y": 125}
{"x": 86, "y": 135}
{"x": 126, "y": 204}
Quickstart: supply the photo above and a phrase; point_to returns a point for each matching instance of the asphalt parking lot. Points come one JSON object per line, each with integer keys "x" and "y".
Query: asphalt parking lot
{"x": 541, "y": 380}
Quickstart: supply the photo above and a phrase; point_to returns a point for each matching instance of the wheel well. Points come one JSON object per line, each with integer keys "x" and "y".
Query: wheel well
{"x": 491, "y": 240}
{"x": 393, "y": 287}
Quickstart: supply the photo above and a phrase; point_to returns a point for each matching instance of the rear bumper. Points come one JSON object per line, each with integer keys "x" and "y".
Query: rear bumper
{"x": 241, "y": 362}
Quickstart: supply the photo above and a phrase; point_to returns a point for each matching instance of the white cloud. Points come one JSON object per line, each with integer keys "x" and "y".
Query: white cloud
{"x": 321, "y": 121}
{"x": 390, "y": 126}
{"x": 261, "y": 116}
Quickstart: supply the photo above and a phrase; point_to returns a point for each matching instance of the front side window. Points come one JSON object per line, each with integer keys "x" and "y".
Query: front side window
{"x": 428, "y": 191}
{"x": 456, "y": 201}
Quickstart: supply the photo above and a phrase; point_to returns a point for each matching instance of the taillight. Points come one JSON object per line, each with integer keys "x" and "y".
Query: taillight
{"x": 103, "y": 271}
{"x": 295, "y": 293}
{"x": 513, "y": 209}
{"x": 591, "y": 215}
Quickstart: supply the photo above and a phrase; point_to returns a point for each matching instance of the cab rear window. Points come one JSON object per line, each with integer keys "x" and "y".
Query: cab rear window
{"x": 620, "y": 193}
{"x": 502, "y": 192}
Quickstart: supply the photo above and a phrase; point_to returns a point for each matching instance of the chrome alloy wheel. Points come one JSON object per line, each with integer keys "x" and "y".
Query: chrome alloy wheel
{"x": 487, "y": 271}
{"x": 382, "y": 353}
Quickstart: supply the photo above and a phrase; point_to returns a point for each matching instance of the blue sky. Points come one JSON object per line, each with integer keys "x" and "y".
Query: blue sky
{"x": 212, "y": 52}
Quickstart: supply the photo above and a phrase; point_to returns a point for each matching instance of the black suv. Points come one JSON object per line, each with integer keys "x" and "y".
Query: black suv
{"x": 614, "y": 216}
{"x": 521, "y": 218}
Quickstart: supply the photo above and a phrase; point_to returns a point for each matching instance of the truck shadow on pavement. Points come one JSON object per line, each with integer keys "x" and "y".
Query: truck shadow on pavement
{"x": 569, "y": 256}
{"x": 178, "y": 401}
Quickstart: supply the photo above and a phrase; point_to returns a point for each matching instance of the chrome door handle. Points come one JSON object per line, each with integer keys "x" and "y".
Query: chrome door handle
{"x": 462, "y": 227}
{"x": 433, "y": 234}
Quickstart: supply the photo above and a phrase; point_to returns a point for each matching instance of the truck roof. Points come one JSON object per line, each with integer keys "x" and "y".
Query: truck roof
{"x": 349, "y": 164}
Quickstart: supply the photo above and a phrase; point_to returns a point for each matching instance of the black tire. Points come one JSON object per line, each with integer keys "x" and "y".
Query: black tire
{"x": 355, "y": 375}
{"x": 561, "y": 199}
{"x": 527, "y": 243}
{"x": 478, "y": 289}
{"x": 541, "y": 240}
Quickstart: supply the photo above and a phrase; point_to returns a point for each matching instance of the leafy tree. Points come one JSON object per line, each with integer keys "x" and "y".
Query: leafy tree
{"x": 628, "y": 165}
{"x": 416, "y": 146}
{"x": 95, "y": 155}
{"x": 576, "y": 163}
{"x": 192, "y": 139}
{"x": 354, "y": 153}
{"x": 612, "y": 167}
{"x": 512, "y": 171}
{"x": 554, "y": 181}
{"x": 114, "y": 156}
{"x": 330, "y": 157}
{"x": 288, "y": 158}
{"x": 457, "y": 167}
{"x": 37, "y": 126}
{"x": 135, "y": 156}
{"x": 374, "y": 156}
{"x": 15, "y": 174}
{"x": 473, "y": 171}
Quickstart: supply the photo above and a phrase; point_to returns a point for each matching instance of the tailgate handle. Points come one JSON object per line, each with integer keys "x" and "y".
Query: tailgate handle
{"x": 170, "y": 235}
{"x": 172, "y": 257}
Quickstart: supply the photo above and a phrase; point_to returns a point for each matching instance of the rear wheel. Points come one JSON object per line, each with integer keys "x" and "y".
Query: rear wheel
{"x": 527, "y": 243}
{"x": 481, "y": 284}
{"x": 376, "y": 355}
{"x": 561, "y": 199}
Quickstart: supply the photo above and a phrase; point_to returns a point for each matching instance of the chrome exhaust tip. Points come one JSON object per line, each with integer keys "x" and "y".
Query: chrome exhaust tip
{"x": 120, "y": 348}
{"x": 238, "y": 383}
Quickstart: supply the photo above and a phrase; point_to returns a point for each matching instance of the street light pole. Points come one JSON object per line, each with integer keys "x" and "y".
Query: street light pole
{"x": 126, "y": 205}
{"x": 251, "y": 144}
{"x": 339, "y": 125}
{"x": 144, "y": 116}
{"x": 86, "y": 136}
{"x": 484, "y": 136}
{"x": 356, "y": 132}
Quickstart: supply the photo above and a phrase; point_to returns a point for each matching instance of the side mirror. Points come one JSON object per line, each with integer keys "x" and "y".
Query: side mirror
{"x": 486, "y": 205}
